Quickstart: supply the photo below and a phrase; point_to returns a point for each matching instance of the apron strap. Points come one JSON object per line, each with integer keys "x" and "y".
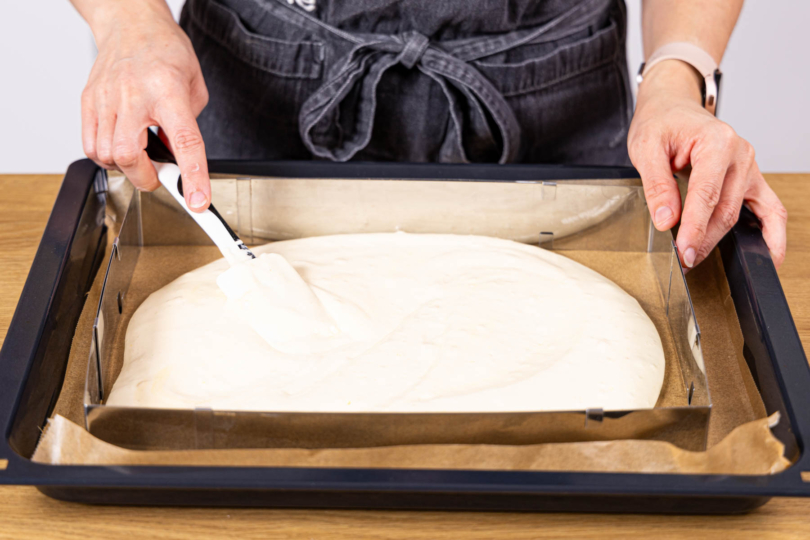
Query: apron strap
{"x": 359, "y": 74}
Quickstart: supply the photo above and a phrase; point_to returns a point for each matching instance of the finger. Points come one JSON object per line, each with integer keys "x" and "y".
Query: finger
{"x": 104, "y": 138}
{"x": 724, "y": 217}
{"x": 89, "y": 126}
{"x": 702, "y": 196}
{"x": 660, "y": 187}
{"x": 186, "y": 142}
{"x": 129, "y": 144}
{"x": 727, "y": 212}
{"x": 764, "y": 203}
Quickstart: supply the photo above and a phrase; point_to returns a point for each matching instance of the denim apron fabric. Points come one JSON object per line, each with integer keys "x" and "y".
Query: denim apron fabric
{"x": 533, "y": 81}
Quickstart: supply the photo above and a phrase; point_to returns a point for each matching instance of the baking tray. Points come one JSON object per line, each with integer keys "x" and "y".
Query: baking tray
{"x": 587, "y": 217}
{"x": 35, "y": 353}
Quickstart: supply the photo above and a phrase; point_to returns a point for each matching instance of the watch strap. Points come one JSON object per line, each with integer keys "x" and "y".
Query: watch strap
{"x": 686, "y": 52}
{"x": 695, "y": 57}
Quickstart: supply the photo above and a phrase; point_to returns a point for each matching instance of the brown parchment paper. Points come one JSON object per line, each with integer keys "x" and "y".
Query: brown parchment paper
{"x": 739, "y": 439}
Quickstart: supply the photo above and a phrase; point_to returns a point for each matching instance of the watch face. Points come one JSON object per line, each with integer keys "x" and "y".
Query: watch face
{"x": 711, "y": 91}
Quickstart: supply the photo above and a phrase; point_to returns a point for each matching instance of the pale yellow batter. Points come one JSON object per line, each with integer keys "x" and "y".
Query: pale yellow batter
{"x": 392, "y": 322}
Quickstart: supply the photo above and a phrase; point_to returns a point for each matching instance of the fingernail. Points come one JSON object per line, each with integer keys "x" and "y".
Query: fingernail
{"x": 197, "y": 199}
{"x": 689, "y": 257}
{"x": 662, "y": 216}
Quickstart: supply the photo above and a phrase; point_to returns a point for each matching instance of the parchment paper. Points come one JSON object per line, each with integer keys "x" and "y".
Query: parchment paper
{"x": 65, "y": 443}
{"x": 739, "y": 440}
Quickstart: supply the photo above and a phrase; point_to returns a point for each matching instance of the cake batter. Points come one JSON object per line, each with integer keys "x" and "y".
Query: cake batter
{"x": 392, "y": 322}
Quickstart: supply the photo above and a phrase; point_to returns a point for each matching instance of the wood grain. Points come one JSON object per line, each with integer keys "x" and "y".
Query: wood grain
{"x": 25, "y": 203}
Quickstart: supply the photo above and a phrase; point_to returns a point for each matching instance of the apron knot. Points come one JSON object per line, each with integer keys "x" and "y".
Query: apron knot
{"x": 415, "y": 46}
{"x": 336, "y": 121}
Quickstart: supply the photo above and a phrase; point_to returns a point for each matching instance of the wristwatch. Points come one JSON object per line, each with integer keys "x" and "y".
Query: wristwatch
{"x": 698, "y": 59}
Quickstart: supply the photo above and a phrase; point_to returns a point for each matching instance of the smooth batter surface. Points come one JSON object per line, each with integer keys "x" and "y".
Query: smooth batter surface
{"x": 392, "y": 322}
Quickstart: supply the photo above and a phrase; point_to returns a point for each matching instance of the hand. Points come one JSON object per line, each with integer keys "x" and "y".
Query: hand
{"x": 146, "y": 74}
{"x": 671, "y": 130}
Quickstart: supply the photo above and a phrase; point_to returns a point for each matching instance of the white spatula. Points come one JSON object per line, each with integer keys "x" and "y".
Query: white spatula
{"x": 234, "y": 250}
{"x": 268, "y": 294}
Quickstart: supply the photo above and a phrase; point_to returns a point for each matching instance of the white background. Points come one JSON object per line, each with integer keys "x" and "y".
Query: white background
{"x": 46, "y": 52}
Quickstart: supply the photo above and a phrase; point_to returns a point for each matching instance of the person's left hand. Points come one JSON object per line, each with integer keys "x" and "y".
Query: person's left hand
{"x": 671, "y": 130}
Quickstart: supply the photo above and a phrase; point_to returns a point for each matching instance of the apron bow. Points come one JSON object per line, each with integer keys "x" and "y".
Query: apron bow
{"x": 474, "y": 103}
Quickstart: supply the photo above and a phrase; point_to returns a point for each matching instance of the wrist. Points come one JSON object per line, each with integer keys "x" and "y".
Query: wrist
{"x": 111, "y": 16}
{"x": 672, "y": 79}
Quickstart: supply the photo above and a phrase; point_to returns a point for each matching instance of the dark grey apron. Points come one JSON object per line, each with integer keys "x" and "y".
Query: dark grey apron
{"x": 534, "y": 81}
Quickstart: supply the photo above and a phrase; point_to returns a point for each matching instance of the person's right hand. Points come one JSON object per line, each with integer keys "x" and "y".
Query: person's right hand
{"x": 146, "y": 74}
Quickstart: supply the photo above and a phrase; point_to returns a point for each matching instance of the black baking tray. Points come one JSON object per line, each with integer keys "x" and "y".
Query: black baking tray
{"x": 35, "y": 353}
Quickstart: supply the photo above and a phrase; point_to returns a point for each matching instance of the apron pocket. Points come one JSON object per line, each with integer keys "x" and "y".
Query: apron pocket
{"x": 567, "y": 60}
{"x": 301, "y": 59}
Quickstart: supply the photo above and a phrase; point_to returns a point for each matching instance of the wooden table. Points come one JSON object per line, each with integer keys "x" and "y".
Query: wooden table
{"x": 25, "y": 203}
